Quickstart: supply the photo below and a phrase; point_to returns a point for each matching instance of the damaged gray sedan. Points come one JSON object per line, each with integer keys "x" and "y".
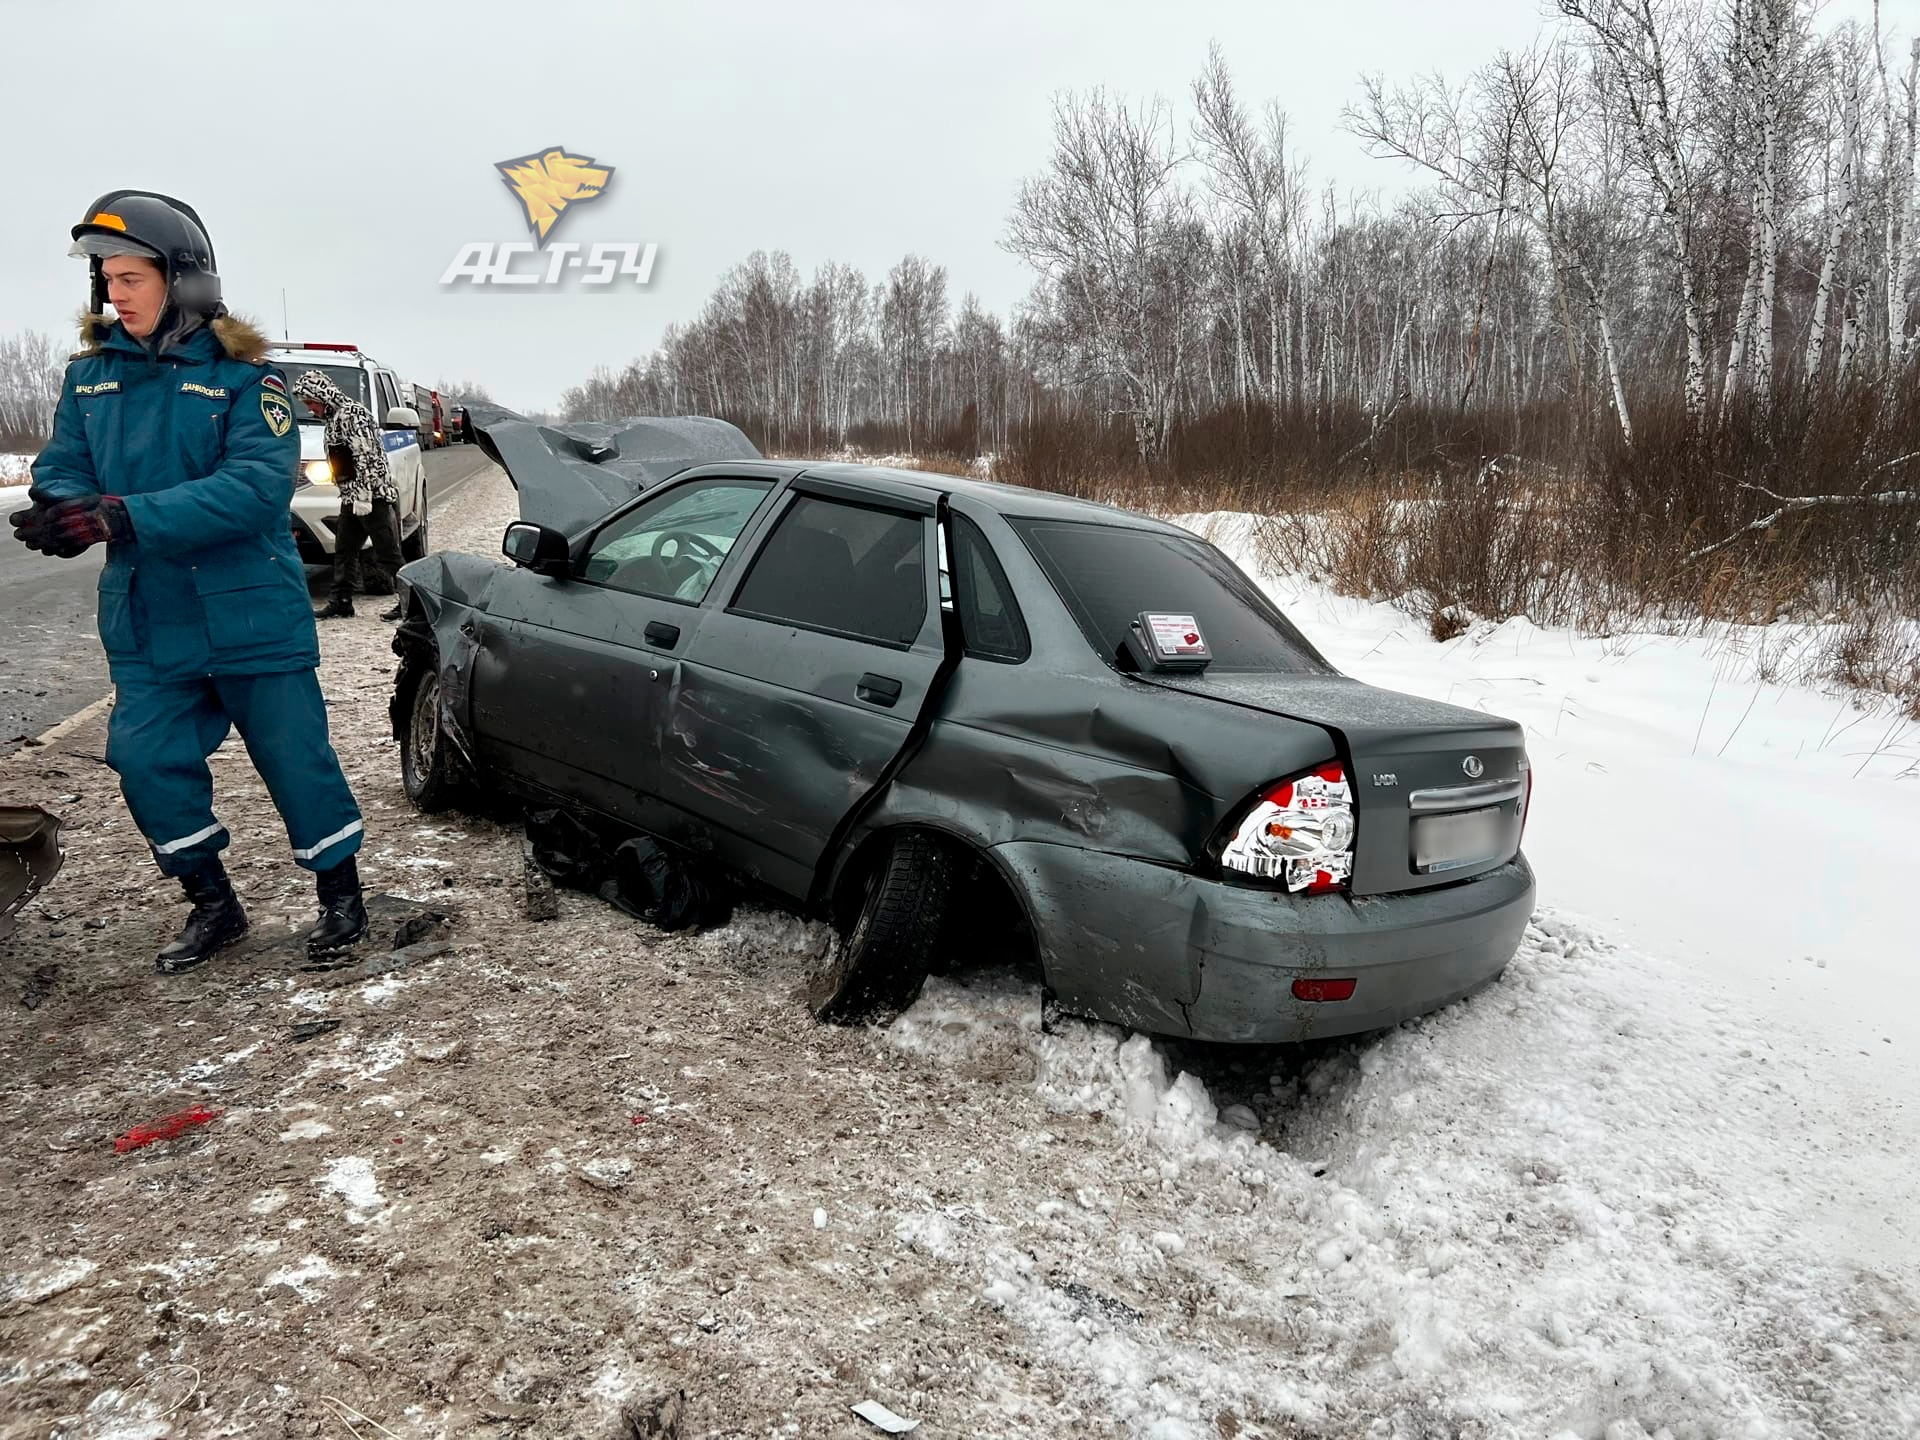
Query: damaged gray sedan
{"x": 940, "y": 712}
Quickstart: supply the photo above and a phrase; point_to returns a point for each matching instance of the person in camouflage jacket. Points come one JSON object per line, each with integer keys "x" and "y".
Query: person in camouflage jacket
{"x": 369, "y": 500}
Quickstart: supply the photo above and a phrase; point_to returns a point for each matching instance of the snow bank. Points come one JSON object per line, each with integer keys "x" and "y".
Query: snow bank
{"x": 1575, "y": 1205}
{"x": 1658, "y": 1188}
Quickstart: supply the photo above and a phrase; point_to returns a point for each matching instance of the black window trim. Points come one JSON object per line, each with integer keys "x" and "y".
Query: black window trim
{"x": 853, "y": 498}
{"x": 584, "y": 549}
{"x": 828, "y": 487}
{"x": 954, "y": 517}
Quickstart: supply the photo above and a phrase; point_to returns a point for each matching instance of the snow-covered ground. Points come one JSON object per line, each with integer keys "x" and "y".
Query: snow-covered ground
{"x": 16, "y": 471}
{"x": 1759, "y": 837}
{"x": 1658, "y": 1182}
{"x": 1653, "y": 1185}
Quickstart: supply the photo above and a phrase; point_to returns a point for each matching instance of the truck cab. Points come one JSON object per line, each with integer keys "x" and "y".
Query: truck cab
{"x": 316, "y": 500}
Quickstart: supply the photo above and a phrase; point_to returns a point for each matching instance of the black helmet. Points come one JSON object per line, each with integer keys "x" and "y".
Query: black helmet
{"x": 139, "y": 222}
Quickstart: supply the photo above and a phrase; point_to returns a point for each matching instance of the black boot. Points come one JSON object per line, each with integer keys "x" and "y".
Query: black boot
{"x": 216, "y": 922}
{"x": 343, "y": 914}
{"x": 335, "y": 610}
{"x": 398, "y": 612}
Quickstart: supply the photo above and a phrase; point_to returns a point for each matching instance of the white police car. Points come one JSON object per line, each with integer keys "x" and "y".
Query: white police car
{"x": 316, "y": 502}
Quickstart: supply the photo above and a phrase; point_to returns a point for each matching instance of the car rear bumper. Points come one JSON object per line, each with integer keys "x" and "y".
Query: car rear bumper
{"x": 1158, "y": 949}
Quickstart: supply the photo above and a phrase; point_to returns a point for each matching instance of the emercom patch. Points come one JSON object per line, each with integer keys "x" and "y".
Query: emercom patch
{"x": 274, "y": 407}
{"x": 104, "y": 387}
{"x": 212, "y": 392}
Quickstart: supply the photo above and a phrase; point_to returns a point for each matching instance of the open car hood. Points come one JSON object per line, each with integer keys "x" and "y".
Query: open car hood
{"x": 570, "y": 475}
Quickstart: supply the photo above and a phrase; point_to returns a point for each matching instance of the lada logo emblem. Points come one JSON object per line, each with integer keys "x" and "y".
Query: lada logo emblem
{"x": 1473, "y": 767}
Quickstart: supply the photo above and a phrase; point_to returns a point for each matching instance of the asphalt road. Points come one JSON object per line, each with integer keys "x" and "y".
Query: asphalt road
{"x": 50, "y": 661}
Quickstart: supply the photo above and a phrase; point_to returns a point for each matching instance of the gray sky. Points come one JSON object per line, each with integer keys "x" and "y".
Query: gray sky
{"x": 345, "y": 151}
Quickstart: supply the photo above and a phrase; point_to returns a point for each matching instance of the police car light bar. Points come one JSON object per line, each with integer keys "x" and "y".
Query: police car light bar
{"x": 324, "y": 345}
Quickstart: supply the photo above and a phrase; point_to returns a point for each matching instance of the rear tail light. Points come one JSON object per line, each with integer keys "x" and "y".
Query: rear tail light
{"x": 1299, "y": 831}
{"x": 1526, "y": 793}
{"x": 1322, "y": 990}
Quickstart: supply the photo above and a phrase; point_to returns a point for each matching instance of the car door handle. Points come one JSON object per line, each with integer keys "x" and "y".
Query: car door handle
{"x": 878, "y": 689}
{"x": 658, "y": 632}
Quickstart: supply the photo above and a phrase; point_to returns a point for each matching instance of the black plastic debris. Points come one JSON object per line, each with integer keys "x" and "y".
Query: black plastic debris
{"x": 427, "y": 925}
{"x": 40, "y": 986}
{"x": 1090, "y": 1302}
{"x": 311, "y": 1030}
{"x": 30, "y": 856}
{"x": 542, "y": 901}
{"x": 634, "y": 873}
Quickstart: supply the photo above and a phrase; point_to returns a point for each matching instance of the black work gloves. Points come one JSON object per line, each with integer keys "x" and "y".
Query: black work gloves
{"x": 65, "y": 528}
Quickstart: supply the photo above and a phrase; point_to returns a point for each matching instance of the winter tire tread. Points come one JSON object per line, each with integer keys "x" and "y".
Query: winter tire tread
{"x": 877, "y": 967}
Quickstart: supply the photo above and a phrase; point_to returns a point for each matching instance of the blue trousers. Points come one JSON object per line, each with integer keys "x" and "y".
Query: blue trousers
{"x": 159, "y": 738}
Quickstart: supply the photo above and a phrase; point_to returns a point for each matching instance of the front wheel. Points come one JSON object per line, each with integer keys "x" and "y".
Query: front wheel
{"x": 878, "y": 964}
{"x": 430, "y": 768}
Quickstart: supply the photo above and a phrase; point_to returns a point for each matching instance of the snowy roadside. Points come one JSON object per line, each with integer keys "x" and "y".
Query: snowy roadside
{"x": 564, "y": 1165}
{"x": 16, "y": 472}
{"x": 1754, "y": 834}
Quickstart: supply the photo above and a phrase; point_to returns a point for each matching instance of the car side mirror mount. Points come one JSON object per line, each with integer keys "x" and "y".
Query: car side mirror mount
{"x": 403, "y": 417}
{"x": 536, "y": 548}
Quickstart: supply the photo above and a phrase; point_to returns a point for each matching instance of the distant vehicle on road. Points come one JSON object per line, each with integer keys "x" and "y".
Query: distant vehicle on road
{"x": 433, "y": 427}
{"x": 316, "y": 500}
{"x": 903, "y": 701}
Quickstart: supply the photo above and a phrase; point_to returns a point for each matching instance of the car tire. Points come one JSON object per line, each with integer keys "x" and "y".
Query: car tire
{"x": 431, "y": 770}
{"x": 880, "y": 960}
{"x": 417, "y": 545}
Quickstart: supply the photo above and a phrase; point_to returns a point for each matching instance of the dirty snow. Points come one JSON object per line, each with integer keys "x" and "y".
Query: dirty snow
{"x": 351, "y": 1178}
{"x": 1645, "y": 1186}
{"x": 1755, "y": 835}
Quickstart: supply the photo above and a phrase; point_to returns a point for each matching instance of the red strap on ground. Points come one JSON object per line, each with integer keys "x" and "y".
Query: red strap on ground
{"x": 164, "y": 1129}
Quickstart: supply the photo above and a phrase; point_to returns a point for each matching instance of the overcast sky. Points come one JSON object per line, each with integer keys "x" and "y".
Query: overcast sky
{"x": 345, "y": 151}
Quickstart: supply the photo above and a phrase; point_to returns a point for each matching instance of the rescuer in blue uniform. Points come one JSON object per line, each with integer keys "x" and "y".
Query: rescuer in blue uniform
{"x": 173, "y": 445}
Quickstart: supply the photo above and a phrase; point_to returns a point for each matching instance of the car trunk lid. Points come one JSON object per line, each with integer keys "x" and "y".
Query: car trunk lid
{"x": 1418, "y": 768}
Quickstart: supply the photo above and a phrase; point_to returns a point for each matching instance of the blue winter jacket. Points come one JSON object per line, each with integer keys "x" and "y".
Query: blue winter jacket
{"x": 199, "y": 442}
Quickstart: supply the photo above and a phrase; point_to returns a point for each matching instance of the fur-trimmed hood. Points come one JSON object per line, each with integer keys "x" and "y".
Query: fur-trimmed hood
{"x": 237, "y": 336}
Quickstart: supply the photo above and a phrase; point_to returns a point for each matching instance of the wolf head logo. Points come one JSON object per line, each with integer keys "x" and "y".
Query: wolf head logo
{"x": 547, "y": 183}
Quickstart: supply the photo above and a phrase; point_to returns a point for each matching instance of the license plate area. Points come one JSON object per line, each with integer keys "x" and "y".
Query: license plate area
{"x": 1461, "y": 839}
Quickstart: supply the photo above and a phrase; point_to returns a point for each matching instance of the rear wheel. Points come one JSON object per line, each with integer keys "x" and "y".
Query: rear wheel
{"x": 880, "y": 960}
{"x": 432, "y": 771}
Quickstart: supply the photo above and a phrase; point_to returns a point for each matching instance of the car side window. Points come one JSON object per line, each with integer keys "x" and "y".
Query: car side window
{"x": 990, "y": 620}
{"x": 384, "y": 384}
{"x": 672, "y": 547}
{"x": 844, "y": 569}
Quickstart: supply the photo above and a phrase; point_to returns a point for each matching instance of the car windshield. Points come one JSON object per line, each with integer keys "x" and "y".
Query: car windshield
{"x": 349, "y": 378}
{"x": 1109, "y": 574}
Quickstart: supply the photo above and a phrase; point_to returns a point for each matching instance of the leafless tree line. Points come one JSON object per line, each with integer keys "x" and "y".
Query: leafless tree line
{"x": 1709, "y": 201}
{"x": 31, "y": 374}
{"x": 1647, "y": 334}
{"x": 807, "y": 364}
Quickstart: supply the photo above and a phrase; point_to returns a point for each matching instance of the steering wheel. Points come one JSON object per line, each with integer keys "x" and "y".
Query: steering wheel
{"x": 688, "y": 553}
{"x": 681, "y": 541}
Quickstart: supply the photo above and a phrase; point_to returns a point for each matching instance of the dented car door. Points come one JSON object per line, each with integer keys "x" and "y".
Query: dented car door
{"x": 580, "y": 666}
{"x": 802, "y": 687}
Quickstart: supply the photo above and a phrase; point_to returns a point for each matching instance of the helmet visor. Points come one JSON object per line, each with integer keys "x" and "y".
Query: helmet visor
{"x": 97, "y": 246}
